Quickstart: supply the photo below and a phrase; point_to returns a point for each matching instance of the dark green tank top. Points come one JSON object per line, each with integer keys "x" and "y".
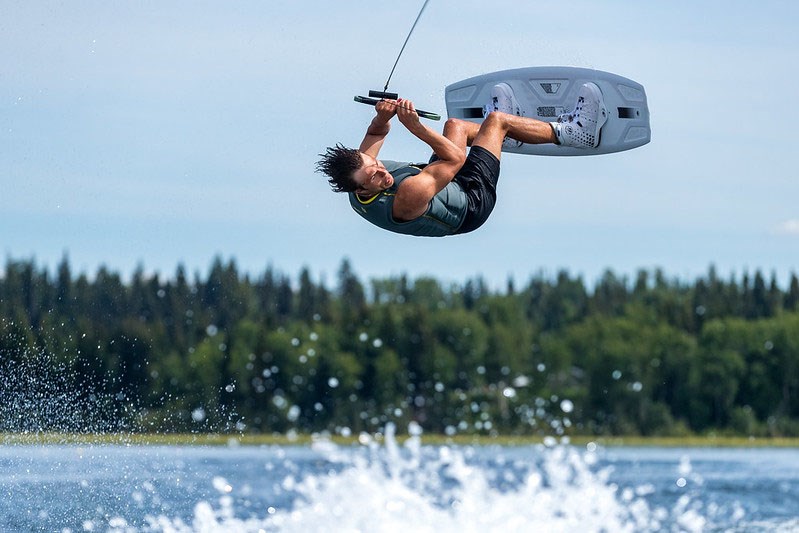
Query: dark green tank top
{"x": 443, "y": 217}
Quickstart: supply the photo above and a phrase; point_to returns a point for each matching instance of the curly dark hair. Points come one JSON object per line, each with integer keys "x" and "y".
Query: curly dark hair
{"x": 338, "y": 164}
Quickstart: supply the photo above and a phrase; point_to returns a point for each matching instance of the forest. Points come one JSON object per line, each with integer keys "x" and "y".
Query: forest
{"x": 229, "y": 351}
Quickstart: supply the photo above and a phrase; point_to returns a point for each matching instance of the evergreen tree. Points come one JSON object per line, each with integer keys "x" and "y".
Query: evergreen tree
{"x": 351, "y": 297}
{"x": 306, "y": 297}
{"x": 63, "y": 303}
{"x": 792, "y": 298}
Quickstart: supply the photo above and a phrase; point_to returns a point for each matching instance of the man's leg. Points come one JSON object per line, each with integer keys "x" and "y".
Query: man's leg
{"x": 497, "y": 125}
{"x": 461, "y": 132}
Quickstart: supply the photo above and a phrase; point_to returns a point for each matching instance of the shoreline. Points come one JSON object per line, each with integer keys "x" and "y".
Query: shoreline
{"x": 210, "y": 439}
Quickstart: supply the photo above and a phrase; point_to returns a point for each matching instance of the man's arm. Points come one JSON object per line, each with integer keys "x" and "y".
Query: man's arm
{"x": 415, "y": 193}
{"x": 378, "y": 128}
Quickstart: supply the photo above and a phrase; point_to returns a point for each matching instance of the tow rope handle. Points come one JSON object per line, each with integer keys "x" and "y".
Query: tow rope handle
{"x": 392, "y": 96}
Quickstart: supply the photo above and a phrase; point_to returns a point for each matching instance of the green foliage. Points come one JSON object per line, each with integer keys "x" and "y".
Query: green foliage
{"x": 232, "y": 353}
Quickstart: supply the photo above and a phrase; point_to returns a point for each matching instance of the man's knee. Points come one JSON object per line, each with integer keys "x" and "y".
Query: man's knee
{"x": 495, "y": 118}
{"x": 454, "y": 124}
{"x": 495, "y": 121}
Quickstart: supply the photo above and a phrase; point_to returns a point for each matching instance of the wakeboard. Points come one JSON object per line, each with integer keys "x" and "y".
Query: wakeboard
{"x": 544, "y": 93}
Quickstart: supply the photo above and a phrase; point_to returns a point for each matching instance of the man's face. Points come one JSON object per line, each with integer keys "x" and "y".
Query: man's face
{"x": 372, "y": 177}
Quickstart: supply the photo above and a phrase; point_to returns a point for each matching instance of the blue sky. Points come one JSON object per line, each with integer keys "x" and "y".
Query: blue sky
{"x": 156, "y": 133}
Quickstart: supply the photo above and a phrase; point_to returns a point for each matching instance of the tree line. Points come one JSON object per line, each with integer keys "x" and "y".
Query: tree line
{"x": 231, "y": 351}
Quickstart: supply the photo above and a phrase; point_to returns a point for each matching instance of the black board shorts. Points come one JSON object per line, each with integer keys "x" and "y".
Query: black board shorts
{"x": 478, "y": 177}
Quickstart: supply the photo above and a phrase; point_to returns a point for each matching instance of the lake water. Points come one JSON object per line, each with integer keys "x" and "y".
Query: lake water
{"x": 396, "y": 488}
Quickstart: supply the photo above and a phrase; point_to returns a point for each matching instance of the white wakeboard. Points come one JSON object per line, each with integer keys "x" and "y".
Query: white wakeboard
{"x": 544, "y": 93}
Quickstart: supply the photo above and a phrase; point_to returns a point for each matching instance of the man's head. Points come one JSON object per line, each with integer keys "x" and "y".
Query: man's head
{"x": 349, "y": 170}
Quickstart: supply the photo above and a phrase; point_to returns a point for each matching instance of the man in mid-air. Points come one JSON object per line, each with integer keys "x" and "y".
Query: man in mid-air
{"x": 454, "y": 193}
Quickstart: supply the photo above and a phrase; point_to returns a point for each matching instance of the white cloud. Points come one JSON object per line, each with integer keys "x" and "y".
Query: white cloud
{"x": 789, "y": 227}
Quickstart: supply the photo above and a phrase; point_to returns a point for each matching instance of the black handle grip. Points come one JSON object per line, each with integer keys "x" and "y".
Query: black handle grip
{"x": 424, "y": 114}
{"x": 382, "y": 94}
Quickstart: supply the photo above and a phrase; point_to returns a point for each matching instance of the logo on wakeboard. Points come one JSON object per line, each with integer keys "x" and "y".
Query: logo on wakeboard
{"x": 550, "y": 111}
{"x": 550, "y": 87}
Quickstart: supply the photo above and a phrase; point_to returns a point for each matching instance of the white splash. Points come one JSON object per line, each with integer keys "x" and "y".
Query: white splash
{"x": 399, "y": 488}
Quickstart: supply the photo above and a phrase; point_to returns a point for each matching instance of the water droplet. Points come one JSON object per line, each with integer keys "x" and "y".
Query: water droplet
{"x": 279, "y": 401}
{"x": 221, "y": 485}
{"x": 521, "y": 381}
